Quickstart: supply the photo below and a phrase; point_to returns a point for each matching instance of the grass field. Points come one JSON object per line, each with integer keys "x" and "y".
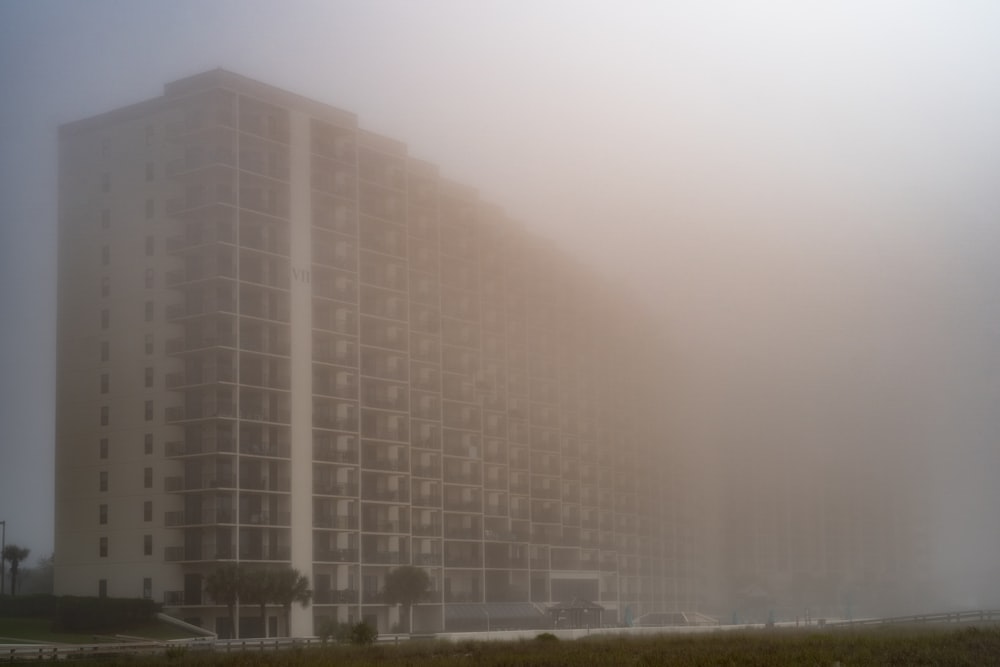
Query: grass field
{"x": 965, "y": 646}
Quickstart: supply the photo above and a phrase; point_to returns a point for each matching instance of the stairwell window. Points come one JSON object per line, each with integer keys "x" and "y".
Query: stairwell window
{"x": 103, "y": 547}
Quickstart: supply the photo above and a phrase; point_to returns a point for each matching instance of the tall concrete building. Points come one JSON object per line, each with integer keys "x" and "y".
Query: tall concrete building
{"x": 285, "y": 342}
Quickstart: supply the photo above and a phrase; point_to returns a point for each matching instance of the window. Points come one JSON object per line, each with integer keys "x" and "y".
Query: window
{"x": 105, "y": 318}
{"x": 105, "y": 415}
{"x": 149, "y": 171}
{"x": 106, "y": 219}
{"x": 147, "y": 545}
{"x": 103, "y": 549}
{"x": 103, "y": 483}
{"x": 148, "y": 411}
{"x": 149, "y": 377}
{"x": 147, "y": 478}
{"x": 105, "y": 147}
{"x": 149, "y": 278}
{"x": 150, "y": 209}
{"x": 105, "y": 382}
{"x": 149, "y": 135}
{"x": 102, "y": 514}
{"x": 149, "y": 311}
{"x": 150, "y": 245}
{"x": 147, "y": 444}
{"x": 149, "y": 343}
{"x": 106, "y": 182}
{"x": 147, "y": 510}
{"x": 105, "y": 350}
{"x": 102, "y": 448}
{"x": 147, "y": 588}
{"x": 102, "y": 588}
{"x": 105, "y": 286}
{"x": 105, "y": 255}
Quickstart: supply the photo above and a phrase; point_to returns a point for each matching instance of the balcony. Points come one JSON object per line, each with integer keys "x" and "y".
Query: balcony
{"x": 387, "y": 557}
{"x": 213, "y": 155}
{"x": 336, "y": 522}
{"x": 388, "y": 495}
{"x": 463, "y": 533}
{"x": 179, "y": 345}
{"x": 194, "y": 483}
{"x": 427, "y": 499}
{"x": 222, "y": 194}
{"x": 386, "y": 526}
{"x": 462, "y": 596}
{"x": 204, "y": 375}
{"x": 179, "y": 413}
{"x": 344, "y": 489}
{"x": 277, "y": 553}
{"x": 336, "y": 555}
{"x": 202, "y": 518}
{"x": 342, "y": 596}
{"x": 201, "y": 235}
{"x": 432, "y": 529}
{"x": 176, "y": 448}
{"x": 265, "y": 484}
{"x": 474, "y": 505}
{"x": 430, "y": 471}
{"x": 386, "y": 463}
{"x": 430, "y": 559}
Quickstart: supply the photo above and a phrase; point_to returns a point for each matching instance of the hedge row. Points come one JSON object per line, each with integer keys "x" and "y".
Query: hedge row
{"x": 75, "y": 614}
{"x": 80, "y": 614}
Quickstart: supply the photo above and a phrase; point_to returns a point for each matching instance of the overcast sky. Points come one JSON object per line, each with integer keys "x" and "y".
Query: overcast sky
{"x": 807, "y": 191}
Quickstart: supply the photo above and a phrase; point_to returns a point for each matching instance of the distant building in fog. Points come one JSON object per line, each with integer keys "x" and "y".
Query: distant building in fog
{"x": 283, "y": 341}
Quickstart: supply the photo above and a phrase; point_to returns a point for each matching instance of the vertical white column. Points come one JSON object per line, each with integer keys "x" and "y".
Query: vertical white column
{"x": 301, "y": 380}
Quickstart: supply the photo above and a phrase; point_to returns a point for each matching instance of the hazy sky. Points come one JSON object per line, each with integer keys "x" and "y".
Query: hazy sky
{"x": 806, "y": 190}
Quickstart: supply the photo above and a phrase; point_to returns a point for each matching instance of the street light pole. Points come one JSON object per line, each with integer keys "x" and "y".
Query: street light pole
{"x": 3, "y": 561}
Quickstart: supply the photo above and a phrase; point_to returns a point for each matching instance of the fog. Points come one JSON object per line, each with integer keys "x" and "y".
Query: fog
{"x": 803, "y": 193}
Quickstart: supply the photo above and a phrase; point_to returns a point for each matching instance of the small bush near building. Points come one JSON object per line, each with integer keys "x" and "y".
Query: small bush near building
{"x": 363, "y": 634}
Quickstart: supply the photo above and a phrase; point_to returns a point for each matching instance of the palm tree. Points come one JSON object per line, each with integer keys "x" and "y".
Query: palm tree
{"x": 15, "y": 555}
{"x": 405, "y": 585}
{"x": 289, "y": 586}
{"x": 223, "y": 586}
{"x": 255, "y": 588}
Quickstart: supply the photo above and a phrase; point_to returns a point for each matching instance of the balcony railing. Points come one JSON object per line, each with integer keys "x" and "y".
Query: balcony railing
{"x": 427, "y": 499}
{"x": 387, "y": 557}
{"x": 338, "y": 522}
{"x": 336, "y": 555}
{"x": 387, "y": 526}
{"x": 342, "y": 596}
{"x": 260, "y": 553}
{"x": 346, "y": 489}
{"x": 427, "y": 559}
{"x": 427, "y": 529}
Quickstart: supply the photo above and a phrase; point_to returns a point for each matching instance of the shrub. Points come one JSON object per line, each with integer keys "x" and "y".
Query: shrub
{"x": 546, "y": 637}
{"x": 363, "y": 634}
{"x": 338, "y": 632}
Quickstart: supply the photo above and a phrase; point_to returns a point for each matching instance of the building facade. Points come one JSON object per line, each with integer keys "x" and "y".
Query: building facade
{"x": 284, "y": 341}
